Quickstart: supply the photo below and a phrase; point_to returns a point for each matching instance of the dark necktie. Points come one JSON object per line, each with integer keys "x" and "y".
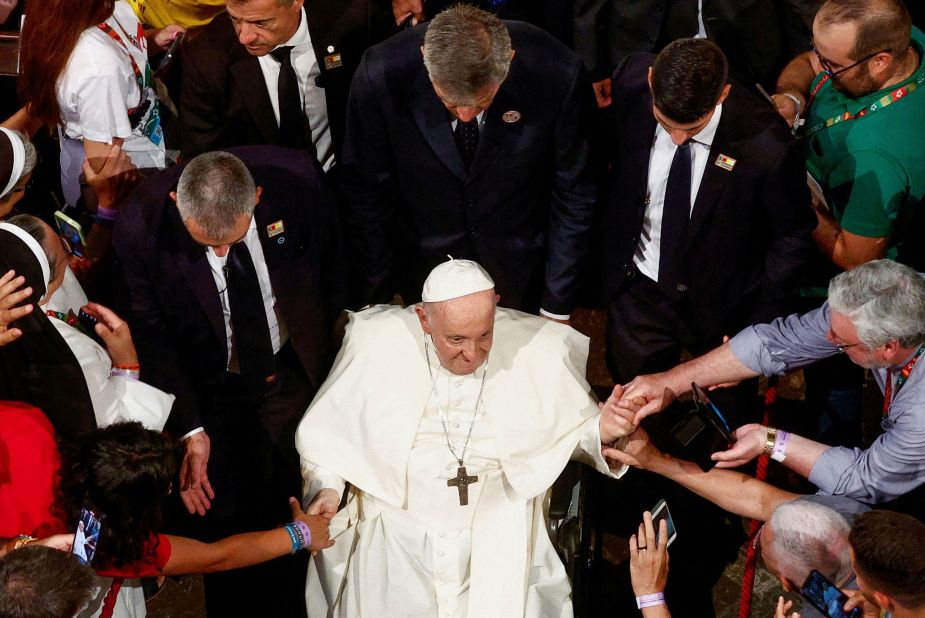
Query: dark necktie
{"x": 291, "y": 114}
{"x": 467, "y": 138}
{"x": 249, "y": 319}
{"x": 675, "y": 216}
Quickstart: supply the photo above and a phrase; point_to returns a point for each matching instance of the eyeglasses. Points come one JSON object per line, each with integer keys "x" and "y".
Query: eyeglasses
{"x": 832, "y": 73}
{"x": 756, "y": 539}
{"x": 840, "y": 343}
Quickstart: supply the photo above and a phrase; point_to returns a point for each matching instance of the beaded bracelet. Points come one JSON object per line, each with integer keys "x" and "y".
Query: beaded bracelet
{"x": 650, "y": 600}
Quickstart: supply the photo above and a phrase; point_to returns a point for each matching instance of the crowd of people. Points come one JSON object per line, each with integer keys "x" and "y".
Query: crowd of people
{"x": 733, "y": 184}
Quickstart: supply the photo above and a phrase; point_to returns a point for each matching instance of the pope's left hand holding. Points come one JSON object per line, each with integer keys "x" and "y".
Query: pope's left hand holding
{"x": 616, "y": 421}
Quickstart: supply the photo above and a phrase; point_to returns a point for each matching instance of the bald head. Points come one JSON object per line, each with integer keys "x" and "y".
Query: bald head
{"x": 877, "y": 25}
{"x": 461, "y": 329}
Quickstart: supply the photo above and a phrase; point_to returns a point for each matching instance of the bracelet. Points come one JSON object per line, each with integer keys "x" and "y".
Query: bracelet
{"x": 796, "y": 101}
{"x": 780, "y": 446}
{"x": 22, "y": 540}
{"x": 106, "y": 214}
{"x": 293, "y": 538}
{"x": 769, "y": 440}
{"x": 134, "y": 367}
{"x": 650, "y": 600}
{"x": 303, "y": 528}
{"x": 132, "y": 374}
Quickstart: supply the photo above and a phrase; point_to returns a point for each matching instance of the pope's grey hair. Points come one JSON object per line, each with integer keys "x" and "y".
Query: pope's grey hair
{"x": 466, "y": 50}
{"x": 806, "y": 536}
{"x": 884, "y": 300}
{"x": 214, "y": 190}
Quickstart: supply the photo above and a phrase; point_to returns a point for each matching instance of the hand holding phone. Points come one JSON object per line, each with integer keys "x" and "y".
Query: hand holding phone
{"x": 826, "y": 597}
{"x": 86, "y": 536}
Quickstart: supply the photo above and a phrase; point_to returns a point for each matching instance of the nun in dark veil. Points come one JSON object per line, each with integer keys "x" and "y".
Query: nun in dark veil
{"x": 55, "y": 366}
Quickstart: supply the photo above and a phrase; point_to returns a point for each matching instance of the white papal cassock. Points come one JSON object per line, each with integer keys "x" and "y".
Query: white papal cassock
{"x": 404, "y": 545}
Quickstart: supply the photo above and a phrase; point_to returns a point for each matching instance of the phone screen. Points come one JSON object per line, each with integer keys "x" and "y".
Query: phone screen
{"x": 86, "y": 536}
{"x": 659, "y": 513}
{"x": 716, "y": 417}
{"x": 826, "y": 597}
{"x": 72, "y": 234}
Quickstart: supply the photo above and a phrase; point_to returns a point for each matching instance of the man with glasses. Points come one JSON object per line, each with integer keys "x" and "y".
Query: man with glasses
{"x": 875, "y": 315}
{"x": 863, "y": 123}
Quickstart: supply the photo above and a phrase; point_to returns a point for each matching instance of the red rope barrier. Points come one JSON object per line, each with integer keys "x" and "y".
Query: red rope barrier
{"x": 751, "y": 555}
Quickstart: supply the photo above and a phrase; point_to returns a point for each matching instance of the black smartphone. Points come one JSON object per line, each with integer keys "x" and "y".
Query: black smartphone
{"x": 826, "y": 597}
{"x": 86, "y": 536}
{"x": 171, "y": 52}
{"x": 72, "y": 233}
{"x": 89, "y": 321}
{"x": 716, "y": 418}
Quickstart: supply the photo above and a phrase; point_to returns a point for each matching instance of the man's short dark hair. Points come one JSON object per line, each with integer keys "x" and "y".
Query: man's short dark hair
{"x": 688, "y": 78}
{"x": 882, "y": 24}
{"x": 41, "y": 582}
{"x": 888, "y": 555}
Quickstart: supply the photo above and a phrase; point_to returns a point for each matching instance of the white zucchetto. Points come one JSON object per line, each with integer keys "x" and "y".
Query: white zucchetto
{"x": 455, "y": 278}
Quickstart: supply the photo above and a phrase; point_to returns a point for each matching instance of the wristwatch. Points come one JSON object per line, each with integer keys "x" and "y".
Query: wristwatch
{"x": 769, "y": 440}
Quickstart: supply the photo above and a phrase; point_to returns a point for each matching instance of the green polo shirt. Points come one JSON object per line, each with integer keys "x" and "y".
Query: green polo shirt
{"x": 872, "y": 168}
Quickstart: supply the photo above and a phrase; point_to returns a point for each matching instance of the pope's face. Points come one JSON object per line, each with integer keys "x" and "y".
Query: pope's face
{"x": 461, "y": 329}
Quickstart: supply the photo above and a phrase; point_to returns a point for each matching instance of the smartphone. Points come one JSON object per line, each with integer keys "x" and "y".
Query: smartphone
{"x": 171, "y": 52}
{"x": 72, "y": 233}
{"x": 717, "y": 419}
{"x": 826, "y": 597}
{"x": 86, "y": 536}
{"x": 660, "y": 512}
{"x": 88, "y": 320}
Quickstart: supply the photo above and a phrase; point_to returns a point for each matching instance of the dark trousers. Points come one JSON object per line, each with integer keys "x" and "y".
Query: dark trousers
{"x": 647, "y": 332}
{"x": 254, "y": 469}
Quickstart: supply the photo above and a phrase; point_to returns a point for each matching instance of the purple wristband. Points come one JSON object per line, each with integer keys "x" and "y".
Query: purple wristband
{"x": 780, "y": 446}
{"x": 306, "y": 532}
{"x": 106, "y": 214}
{"x": 649, "y": 600}
{"x": 131, "y": 374}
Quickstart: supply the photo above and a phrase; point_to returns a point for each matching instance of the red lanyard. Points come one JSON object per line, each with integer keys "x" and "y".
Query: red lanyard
{"x": 900, "y": 380}
{"x": 139, "y": 76}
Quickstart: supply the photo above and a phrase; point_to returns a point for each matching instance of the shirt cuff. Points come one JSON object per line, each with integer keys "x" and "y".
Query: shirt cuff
{"x": 555, "y": 316}
{"x": 192, "y": 433}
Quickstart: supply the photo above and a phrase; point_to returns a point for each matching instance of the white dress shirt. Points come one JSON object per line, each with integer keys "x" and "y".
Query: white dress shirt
{"x": 314, "y": 103}
{"x": 663, "y": 149}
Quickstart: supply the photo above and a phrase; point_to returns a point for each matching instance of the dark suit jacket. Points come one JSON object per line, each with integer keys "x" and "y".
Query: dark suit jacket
{"x": 523, "y": 209}
{"x": 757, "y": 35}
{"x": 749, "y": 233}
{"x": 224, "y": 100}
{"x": 174, "y": 308}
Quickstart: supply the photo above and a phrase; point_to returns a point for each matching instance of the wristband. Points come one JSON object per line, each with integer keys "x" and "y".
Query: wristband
{"x": 133, "y": 367}
{"x": 650, "y": 600}
{"x": 303, "y": 528}
{"x": 118, "y": 372}
{"x": 293, "y": 538}
{"x": 106, "y": 214}
{"x": 796, "y": 101}
{"x": 780, "y": 446}
{"x": 769, "y": 439}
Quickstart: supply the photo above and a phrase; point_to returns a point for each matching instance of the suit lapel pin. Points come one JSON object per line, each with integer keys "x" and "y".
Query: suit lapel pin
{"x": 332, "y": 60}
{"x": 275, "y": 229}
{"x": 726, "y": 162}
{"x": 511, "y": 117}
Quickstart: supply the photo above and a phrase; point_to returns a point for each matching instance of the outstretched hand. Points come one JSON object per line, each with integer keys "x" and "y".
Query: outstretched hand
{"x": 616, "y": 417}
{"x": 195, "y": 488}
{"x": 750, "y": 440}
{"x": 651, "y": 393}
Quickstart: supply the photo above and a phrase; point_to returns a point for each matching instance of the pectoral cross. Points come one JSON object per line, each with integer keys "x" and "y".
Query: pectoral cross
{"x": 462, "y": 482}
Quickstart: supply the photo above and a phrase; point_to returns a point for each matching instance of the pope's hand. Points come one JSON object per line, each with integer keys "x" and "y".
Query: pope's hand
{"x": 750, "y": 441}
{"x": 195, "y": 488}
{"x": 324, "y": 503}
{"x": 652, "y": 392}
{"x": 317, "y": 525}
{"x": 616, "y": 421}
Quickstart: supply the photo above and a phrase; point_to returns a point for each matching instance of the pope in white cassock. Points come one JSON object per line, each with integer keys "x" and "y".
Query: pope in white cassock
{"x": 450, "y": 420}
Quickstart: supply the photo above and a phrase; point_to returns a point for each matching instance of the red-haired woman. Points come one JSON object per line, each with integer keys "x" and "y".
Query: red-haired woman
{"x": 85, "y": 70}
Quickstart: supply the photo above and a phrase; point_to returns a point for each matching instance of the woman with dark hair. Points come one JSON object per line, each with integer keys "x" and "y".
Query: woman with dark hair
{"x": 123, "y": 473}
{"x": 85, "y": 70}
{"x": 56, "y": 366}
